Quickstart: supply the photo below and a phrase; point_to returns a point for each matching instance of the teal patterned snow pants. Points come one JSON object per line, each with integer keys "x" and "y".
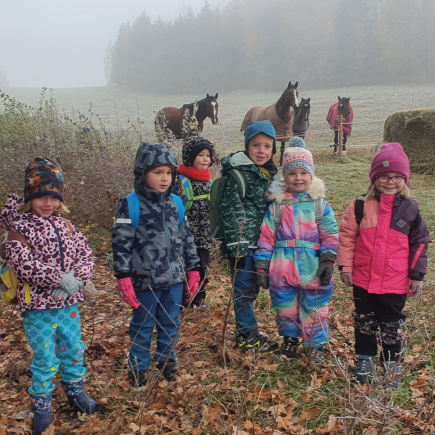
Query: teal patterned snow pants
{"x": 49, "y": 352}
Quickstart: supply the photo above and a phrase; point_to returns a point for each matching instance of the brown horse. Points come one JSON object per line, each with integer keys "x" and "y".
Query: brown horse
{"x": 171, "y": 118}
{"x": 301, "y": 121}
{"x": 279, "y": 114}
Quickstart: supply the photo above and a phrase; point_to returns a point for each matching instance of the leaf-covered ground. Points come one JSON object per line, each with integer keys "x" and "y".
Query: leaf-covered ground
{"x": 222, "y": 391}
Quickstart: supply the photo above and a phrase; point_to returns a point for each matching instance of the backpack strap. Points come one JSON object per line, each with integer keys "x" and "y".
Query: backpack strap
{"x": 68, "y": 224}
{"x": 277, "y": 209}
{"x": 359, "y": 209}
{"x": 186, "y": 185}
{"x": 242, "y": 186}
{"x": 318, "y": 210}
{"x": 133, "y": 209}
{"x": 180, "y": 208}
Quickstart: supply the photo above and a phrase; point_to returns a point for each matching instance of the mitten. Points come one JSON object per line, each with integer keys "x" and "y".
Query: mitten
{"x": 415, "y": 287}
{"x": 192, "y": 285}
{"x": 58, "y": 293}
{"x": 262, "y": 273}
{"x": 346, "y": 278}
{"x": 326, "y": 268}
{"x": 125, "y": 288}
{"x": 237, "y": 262}
{"x": 69, "y": 284}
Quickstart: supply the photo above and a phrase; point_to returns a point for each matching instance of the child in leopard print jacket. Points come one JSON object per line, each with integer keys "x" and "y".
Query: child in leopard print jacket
{"x": 52, "y": 262}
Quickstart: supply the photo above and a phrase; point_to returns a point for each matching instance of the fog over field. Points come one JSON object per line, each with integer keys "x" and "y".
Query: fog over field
{"x": 195, "y": 46}
{"x": 62, "y": 44}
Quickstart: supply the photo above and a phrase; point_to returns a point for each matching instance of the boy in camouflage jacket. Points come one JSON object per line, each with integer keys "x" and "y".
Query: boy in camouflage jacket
{"x": 241, "y": 220}
{"x": 151, "y": 262}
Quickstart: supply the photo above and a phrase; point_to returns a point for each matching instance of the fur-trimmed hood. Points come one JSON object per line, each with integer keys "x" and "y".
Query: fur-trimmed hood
{"x": 278, "y": 190}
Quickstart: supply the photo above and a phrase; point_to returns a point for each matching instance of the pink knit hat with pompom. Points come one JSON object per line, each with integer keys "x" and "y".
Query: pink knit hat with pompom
{"x": 390, "y": 158}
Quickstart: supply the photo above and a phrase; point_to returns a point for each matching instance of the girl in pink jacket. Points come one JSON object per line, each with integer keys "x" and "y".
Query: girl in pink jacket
{"x": 52, "y": 262}
{"x": 382, "y": 253}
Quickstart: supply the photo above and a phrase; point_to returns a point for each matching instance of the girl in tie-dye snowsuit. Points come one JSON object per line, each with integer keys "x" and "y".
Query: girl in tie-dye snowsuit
{"x": 296, "y": 255}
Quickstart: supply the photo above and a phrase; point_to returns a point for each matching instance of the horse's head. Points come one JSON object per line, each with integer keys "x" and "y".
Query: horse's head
{"x": 291, "y": 95}
{"x": 305, "y": 107}
{"x": 343, "y": 106}
{"x": 211, "y": 108}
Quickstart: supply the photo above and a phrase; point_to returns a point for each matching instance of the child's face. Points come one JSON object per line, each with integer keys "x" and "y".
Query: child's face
{"x": 159, "y": 178}
{"x": 298, "y": 180}
{"x": 260, "y": 149}
{"x": 390, "y": 183}
{"x": 202, "y": 160}
{"x": 44, "y": 206}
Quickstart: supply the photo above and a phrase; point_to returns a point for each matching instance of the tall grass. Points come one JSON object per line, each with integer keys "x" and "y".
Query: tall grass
{"x": 96, "y": 158}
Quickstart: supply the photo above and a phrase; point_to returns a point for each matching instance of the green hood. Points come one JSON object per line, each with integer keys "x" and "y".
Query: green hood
{"x": 240, "y": 161}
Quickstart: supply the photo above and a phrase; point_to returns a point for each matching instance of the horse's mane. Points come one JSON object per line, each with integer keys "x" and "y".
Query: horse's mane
{"x": 190, "y": 105}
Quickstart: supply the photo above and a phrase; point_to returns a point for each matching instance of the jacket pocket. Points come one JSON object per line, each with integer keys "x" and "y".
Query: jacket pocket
{"x": 396, "y": 273}
{"x": 308, "y": 266}
{"x": 361, "y": 268}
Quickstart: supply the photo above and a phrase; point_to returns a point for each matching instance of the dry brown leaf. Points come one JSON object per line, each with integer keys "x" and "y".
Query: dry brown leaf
{"x": 417, "y": 348}
{"x": 134, "y": 427}
{"x": 159, "y": 405}
{"x": 331, "y": 427}
{"x": 49, "y": 430}
{"x": 262, "y": 395}
{"x": 237, "y": 431}
{"x": 307, "y": 413}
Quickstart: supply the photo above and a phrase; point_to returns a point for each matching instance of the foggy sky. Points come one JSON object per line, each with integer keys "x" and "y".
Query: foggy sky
{"x": 62, "y": 43}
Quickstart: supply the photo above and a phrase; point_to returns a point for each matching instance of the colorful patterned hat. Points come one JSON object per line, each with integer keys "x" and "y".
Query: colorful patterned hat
{"x": 296, "y": 156}
{"x": 42, "y": 177}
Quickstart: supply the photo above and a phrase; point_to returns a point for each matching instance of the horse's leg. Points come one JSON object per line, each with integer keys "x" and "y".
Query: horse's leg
{"x": 282, "y": 152}
{"x": 335, "y": 142}
{"x": 344, "y": 141}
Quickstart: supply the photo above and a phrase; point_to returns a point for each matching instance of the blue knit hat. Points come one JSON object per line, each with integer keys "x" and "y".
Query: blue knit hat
{"x": 296, "y": 156}
{"x": 257, "y": 127}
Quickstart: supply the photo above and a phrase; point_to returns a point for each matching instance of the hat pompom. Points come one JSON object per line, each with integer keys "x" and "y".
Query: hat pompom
{"x": 296, "y": 142}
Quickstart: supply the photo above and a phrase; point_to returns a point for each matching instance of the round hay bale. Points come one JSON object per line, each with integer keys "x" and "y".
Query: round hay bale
{"x": 415, "y": 131}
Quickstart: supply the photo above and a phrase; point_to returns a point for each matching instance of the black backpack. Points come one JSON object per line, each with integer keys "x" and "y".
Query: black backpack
{"x": 359, "y": 208}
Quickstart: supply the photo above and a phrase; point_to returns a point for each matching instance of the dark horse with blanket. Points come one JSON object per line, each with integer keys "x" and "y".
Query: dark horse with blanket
{"x": 171, "y": 118}
{"x": 341, "y": 107}
{"x": 278, "y": 114}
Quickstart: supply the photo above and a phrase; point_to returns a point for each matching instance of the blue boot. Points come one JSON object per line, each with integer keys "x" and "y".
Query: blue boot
{"x": 41, "y": 408}
{"x": 78, "y": 399}
{"x": 393, "y": 370}
{"x": 364, "y": 368}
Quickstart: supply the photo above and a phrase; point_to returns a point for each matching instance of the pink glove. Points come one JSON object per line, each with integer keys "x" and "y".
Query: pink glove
{"x": 125, "y": 288}
{"x": 191, "y": 285}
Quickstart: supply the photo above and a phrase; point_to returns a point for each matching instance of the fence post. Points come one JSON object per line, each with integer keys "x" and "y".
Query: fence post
{"x": 340, "y": 135}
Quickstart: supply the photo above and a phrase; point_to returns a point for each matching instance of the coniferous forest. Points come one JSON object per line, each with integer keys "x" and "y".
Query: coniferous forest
{"x": 259, "y": 45}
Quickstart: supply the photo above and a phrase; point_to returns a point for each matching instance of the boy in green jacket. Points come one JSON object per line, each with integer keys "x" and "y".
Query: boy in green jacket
{"x": 241, "y": 220}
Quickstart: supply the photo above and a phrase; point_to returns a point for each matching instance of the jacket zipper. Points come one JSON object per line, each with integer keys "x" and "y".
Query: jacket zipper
{"x": 56, "y": 230}
{"x": 166, "y": 235}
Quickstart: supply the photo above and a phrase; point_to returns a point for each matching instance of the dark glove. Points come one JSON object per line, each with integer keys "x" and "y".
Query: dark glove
{"x": 237, "y": 262}
{"x": 262, "y": 273}
{"x": 326, "y": 268}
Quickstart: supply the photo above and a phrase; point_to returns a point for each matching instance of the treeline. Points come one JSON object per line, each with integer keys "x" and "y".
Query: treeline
{"x": 259, "y": 45}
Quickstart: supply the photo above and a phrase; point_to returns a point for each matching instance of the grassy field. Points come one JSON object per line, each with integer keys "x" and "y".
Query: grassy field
{"x": 222, "y": 391}
{"x": 371, "y": 104}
